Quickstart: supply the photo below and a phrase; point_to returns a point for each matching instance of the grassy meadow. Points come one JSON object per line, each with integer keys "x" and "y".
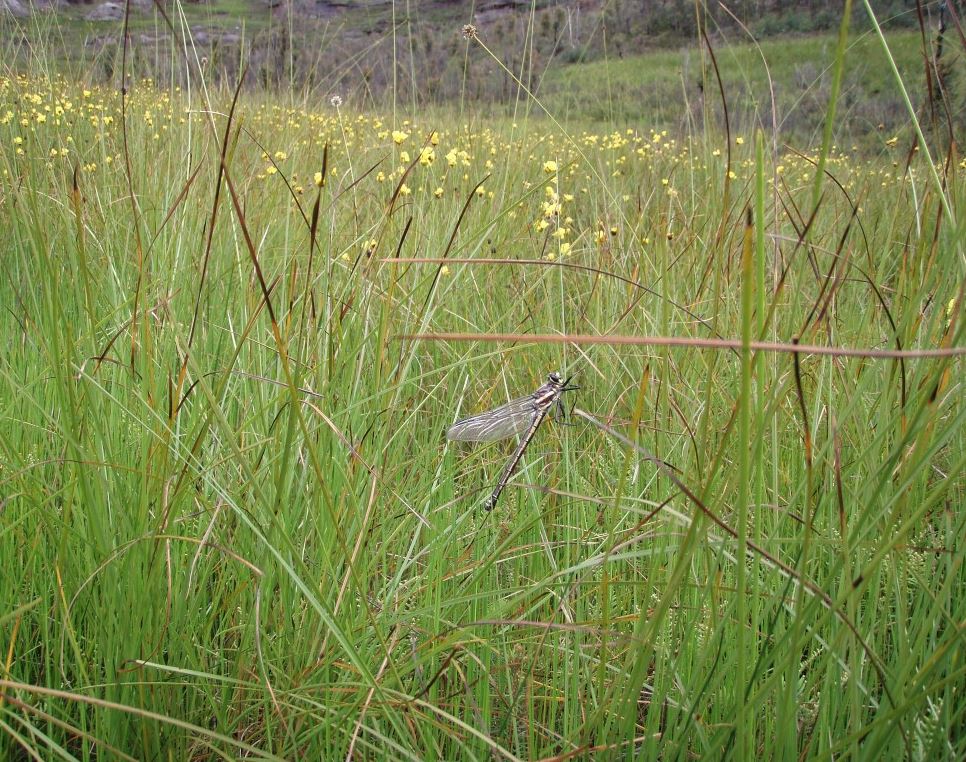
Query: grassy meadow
{"x": 231, "y": 525}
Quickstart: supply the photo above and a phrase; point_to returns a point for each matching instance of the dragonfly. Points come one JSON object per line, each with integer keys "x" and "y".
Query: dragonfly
{"x": 519, "y": 416}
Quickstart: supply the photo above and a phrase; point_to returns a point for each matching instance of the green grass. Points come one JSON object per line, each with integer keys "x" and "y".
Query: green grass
{"x": 668, "y": 87}
{"x": 230, "y": 523}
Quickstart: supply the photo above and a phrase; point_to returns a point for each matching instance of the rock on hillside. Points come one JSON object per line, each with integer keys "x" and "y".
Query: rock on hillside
{"x": 15, "y": 8}
{"x": 106, "y": 12}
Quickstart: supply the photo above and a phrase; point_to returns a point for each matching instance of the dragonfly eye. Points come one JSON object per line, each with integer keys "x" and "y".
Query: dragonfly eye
{"x": 554, "y": 378}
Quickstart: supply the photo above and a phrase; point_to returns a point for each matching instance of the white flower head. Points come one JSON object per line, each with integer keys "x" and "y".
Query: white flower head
{"x": 336, "y": 101}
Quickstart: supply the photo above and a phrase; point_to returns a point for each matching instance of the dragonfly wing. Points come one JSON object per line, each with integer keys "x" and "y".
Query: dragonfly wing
{"x": 499, "y": 423}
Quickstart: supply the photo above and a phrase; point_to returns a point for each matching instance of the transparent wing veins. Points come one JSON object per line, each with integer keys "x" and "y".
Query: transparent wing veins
{"x": 501, "y": 422}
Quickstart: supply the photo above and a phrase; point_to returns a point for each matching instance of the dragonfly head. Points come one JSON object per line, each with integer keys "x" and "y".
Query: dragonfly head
{"x": 562, "y": 384}
{"x": 559, "y": 383}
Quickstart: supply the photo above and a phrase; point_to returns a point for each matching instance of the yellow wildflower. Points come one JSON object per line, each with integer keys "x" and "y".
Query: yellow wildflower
{"x": 550, "y": 208}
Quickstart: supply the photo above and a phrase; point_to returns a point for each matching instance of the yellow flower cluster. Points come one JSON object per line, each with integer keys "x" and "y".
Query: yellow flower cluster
{"x": 537, "y": 179}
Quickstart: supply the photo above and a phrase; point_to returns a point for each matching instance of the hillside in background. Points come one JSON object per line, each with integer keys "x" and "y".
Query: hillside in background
{"x": 366, "y": 42}
{"x": 617, "y": 61}
{"x": 625, "y": 17}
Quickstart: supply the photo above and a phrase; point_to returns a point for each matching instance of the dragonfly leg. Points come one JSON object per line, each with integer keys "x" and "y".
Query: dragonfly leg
{"x": 560, "y": 414}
